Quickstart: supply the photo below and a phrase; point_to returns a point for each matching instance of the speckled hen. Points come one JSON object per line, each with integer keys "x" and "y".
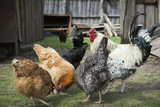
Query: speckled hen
{"x": 93, "y": 74}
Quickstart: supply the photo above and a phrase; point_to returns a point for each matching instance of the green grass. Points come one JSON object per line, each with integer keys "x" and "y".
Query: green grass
{"x": 138, "y": 92}
{"x": 60, "y": 47}
{"x": 116, "y": 39}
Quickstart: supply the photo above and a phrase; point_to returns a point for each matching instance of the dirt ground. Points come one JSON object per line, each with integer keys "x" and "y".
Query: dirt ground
{"x": 152, "y": 65}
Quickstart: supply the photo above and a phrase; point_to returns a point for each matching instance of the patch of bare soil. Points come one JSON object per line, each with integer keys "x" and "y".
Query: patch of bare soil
{"x": 152, "y": 65}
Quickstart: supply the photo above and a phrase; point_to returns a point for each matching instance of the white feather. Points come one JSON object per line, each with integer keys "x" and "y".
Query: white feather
{"x": 128, "y": 53}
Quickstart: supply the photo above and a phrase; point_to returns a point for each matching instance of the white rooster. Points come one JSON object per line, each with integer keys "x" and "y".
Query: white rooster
{"x": 123, "y": 58}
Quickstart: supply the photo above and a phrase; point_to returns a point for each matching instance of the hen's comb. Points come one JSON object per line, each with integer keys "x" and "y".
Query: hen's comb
{"x": 91, "y": 31}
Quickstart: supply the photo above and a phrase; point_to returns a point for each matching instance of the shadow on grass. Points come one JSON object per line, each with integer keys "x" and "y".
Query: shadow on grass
{"x": 134, "y": 96}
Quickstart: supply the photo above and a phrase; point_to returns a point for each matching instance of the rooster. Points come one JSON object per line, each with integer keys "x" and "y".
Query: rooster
{"x": 31, "y": 80}
{"x": 92, "y": 75}
{"x": 123, "y": 58}
{"x": 61, "y": 71}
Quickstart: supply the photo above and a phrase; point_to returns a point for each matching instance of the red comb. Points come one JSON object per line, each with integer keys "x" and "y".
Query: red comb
{"x": 91, "y": 31}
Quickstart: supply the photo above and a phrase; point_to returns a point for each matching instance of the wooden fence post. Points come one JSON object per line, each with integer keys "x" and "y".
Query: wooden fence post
{"x": 127, "y": 14}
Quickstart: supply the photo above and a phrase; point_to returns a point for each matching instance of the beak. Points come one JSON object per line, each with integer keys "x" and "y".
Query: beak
{"x": 14, "y": 61}
{"x": 55, "y": 91}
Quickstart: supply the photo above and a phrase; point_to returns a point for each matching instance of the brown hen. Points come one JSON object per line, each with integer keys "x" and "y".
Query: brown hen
{"x": 31, "y": 80}
{"x": 61, "y": 71}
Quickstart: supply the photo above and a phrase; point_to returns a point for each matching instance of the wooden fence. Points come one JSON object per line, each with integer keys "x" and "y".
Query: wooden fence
{"x": 151, "y": 11}
{"x": 30, "y": 20}
{"x": 85, "y": 11}
{"x": 130, "y": 8}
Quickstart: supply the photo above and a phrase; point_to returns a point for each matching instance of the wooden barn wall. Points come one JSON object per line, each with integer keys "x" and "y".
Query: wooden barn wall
{"x": 31, "y": 19}
{"x": 112, "y": 9}
{"x": 84, "y": 11}
{"x": 151, "y": 11}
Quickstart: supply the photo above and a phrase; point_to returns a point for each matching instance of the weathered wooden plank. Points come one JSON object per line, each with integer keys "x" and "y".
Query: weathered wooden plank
{"x": 150, "y": 16}
{"x": 41, "y": 4}
{"x": 86, "y": 16}
{"x": 108, "y": 29}
{"x": 127, "y": 14}
{"x": 108, "y": 21}
{"x": 118, "y": 7}
{"x": 54, "y": 29}
{"x": 79, "y": 7}
{"x": 56, "y": 7}
{"x": 92, "y": 8}
{"x": 70, "y": 9}
{"x": 140, "y": 9}
{"x": 29, "y": 20}
{"x": 23, "y": 16}
{"x": 19, "y": 20}
{"x": 88, "y": 7}
{"x": 96, "y": 8}
{"x": 155, "y": 14}
{"x": 36, "y": 20}
{"x": 158, "y": 11}
{"x": 101, "y": 11}
{"x": 51, "y": 7}
{"x": 33, "y": 20}
{"x": 63, "y": 6}
{"x": 146, "y": 1}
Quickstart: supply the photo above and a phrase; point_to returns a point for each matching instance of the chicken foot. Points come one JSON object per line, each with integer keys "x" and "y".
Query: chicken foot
{"x": 123, "y": 85}
{"x": 87, "y": 99}
{"x": 33, "y": 101}
{"x": 42, "y": 101}
{"x": 100, "y": 98}
{"x": 105, "y": 91}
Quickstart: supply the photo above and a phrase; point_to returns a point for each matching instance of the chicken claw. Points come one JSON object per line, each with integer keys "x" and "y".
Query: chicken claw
{"x": 98, "y": 102}
{"x": 100, "y": 98}
{"x": 42, "y": 101}
{"x": 87, "y": 99}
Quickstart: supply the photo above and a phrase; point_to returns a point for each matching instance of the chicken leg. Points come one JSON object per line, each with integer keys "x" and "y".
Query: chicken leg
{"x": 123, "y": 85}
{"x": 87, "y": 99}
{"x": 33, "y": 101}
{"x": 105, "y": 91}
{"x": 42, "y": 101}
{"x": 100, "y": 98}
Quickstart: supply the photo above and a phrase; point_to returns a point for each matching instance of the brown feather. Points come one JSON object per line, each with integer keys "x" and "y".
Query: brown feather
{"x": 62, "y": 36}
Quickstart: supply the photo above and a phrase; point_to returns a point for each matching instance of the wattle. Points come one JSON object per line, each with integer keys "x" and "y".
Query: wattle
{"x": 92, "y": 37}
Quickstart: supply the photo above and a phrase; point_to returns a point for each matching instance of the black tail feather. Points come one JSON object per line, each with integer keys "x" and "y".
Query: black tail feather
{"x": 153, "y": 28}
{"x": 134, "y": 19}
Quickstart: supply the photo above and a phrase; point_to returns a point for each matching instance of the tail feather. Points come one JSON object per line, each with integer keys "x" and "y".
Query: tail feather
{"x": 153, "y": 28}
{"x": 134, "y": 19}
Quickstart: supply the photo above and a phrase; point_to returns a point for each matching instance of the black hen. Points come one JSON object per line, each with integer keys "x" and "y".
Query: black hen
{"x": 75, "y": 55}
{"x": 92, "y": 75}
{"x": 77, "y": 42}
